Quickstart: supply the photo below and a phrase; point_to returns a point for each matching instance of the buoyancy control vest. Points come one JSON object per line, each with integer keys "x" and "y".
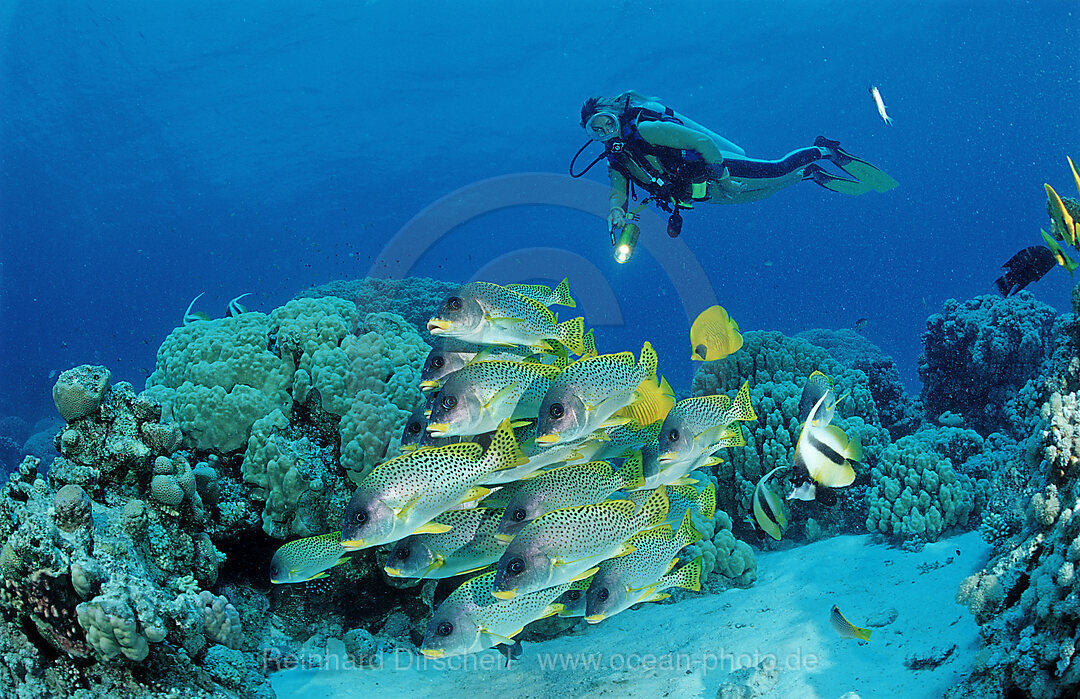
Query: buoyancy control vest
{"x": 682, "y": 178}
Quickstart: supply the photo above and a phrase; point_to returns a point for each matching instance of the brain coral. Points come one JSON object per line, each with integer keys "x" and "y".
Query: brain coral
{"x": 776, "y": 367}
{"x": 979, "y": 354}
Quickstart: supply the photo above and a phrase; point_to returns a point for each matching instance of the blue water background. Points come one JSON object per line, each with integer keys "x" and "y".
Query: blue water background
{"x": 153, "y": 151}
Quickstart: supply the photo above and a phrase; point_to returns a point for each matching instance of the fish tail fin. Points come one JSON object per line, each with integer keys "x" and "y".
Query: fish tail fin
{"x": 743, "y": 410}
{"x": 504, "y": 452}
{"x": 687, "y": 534}
{"x": 688, "y": 577}
{"x": 561, "y": 294}
{"x": 854, "y": 451}
{"x": 861, "y": 633}
{"x": 632, "y": 471}
{"x": 572, "y": 334}
{"x": 707, "y": 501}
{"x": 655, "y": 510}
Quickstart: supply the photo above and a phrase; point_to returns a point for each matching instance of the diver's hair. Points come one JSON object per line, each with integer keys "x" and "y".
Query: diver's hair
{"x": 617, "y": 104}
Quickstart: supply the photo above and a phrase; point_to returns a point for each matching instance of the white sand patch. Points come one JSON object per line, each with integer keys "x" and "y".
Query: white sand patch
{"x": 688, "y": 649}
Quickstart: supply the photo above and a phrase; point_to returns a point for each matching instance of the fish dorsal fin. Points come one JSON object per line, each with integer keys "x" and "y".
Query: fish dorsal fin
{"x": 623, "y": 358}
{"x": 648, "y": 361}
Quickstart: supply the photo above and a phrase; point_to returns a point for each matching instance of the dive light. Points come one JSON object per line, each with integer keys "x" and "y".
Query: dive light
{"x": 626, "y": 242}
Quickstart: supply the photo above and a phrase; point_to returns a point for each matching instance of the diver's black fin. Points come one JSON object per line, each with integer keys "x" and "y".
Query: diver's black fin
{"x": 826, "y": 179}
{"x": 858, "y": 168}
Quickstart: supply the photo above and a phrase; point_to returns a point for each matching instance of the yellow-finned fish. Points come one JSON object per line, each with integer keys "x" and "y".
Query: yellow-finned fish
{"x": 880, "y": 104}
{"x": 845, "y": 628}
{"x": 476, "y": 398}
{"x": 643, "y": 575}
{"x": 469, "y": 546}
{"x": 714, "y": 335}
{"x": 768, "y": 510}
{"x": 566, "y": 486}
{"x": 489, "y": 314}
{"x": 471, "y": 619}
{"x": 565, "y": 545}
{"x": 698, "y": 427}
{"x": 307, "y": 559}
{"x": 588, "y": 394}
{"x": 403, "y": 495}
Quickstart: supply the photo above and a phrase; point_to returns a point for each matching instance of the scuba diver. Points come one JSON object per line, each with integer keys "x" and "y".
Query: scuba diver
{"x": 679, "y": 162}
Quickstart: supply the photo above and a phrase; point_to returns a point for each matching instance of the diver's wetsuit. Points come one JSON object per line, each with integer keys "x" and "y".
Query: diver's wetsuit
{"x": 749, "y": 168}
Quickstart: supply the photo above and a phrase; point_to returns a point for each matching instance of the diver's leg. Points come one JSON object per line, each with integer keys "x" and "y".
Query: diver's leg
{"x": 752, "y": 168}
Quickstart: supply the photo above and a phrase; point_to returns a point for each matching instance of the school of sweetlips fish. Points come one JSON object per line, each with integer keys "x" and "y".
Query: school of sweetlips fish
{"x": 508, "y": 471}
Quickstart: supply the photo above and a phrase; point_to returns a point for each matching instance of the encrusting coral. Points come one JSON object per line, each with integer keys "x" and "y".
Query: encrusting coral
{"x": 1027, "y": 599}
{"x": 980, "y": 354}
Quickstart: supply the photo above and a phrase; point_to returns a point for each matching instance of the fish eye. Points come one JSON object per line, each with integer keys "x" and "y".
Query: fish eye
{"x": 574, "y": 595}
{"x": 454, "y": 303}
{"x": 603, "y": 594}
{"x": 449, "y": 402}
{"x": 437, "y": 362}
{"x": 518, "y": 515}
{"x": 673, "y": 435}
{"x": 360, "y": 517}
{"x": 516, "y": 566}
{"x": 445, "y": 628}
{"x": 401, "y": 552}
{"x": 413, "y": 427}
{"x": 556, "y": 411}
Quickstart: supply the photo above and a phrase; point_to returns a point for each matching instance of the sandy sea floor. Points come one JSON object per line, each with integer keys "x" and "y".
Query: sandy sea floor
{"x": 689, "y": 649}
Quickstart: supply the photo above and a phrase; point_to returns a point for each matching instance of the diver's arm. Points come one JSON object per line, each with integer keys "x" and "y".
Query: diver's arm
{"x": 660, "y": 133}
{"x": 663, "y": 133}
{"x": 617, "y": 199}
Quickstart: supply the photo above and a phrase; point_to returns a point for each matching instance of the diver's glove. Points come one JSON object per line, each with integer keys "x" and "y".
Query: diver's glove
{"x": 617, "y": 218}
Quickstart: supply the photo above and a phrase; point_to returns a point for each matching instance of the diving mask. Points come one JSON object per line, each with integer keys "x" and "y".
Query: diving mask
{"x": 602, "y": 126}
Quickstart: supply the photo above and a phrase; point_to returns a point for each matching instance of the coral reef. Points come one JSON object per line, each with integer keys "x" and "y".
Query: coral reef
{"x": 980, "y": 355}
{"x": 414, "y": 298}
{"x": 1027, "y": 599}
{"x": 109, "y": 559}
{"x": 916, "y": 493}
{"x": 776, "y": 367}
{"x": 899, "y": 413}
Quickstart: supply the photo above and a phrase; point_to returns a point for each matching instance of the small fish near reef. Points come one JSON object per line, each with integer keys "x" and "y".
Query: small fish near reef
{"x": 1027, "y": 266}
{"x": 768, "y": 509}
{"x": 307, "y": 559}
{"x": 714, "y": 335}
{"x": 875, "y": 93}
{"x": 823, "y": 454}
{"x": 861, "y": 324}
{"x": 845, "y": 628}
{"x": 489, "y": 314}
